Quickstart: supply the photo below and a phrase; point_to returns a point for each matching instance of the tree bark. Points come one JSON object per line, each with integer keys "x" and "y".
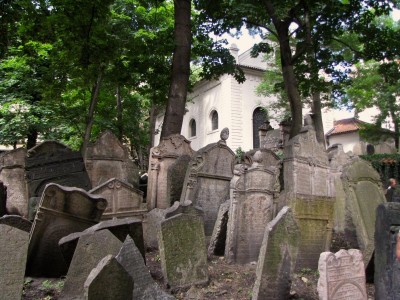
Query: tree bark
{"x": 180, "y": 70}
{"x": 31, "y": 138}
{"x": 317, "y": 117}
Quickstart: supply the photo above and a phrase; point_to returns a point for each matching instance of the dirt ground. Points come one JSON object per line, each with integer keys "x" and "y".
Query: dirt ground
{"x": 226, "y": 282}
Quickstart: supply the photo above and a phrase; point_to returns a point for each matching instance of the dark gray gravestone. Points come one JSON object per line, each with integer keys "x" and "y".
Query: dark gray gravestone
{"x": 183, "y": 251}
{"x": 62, "y": 211}
{"x": 13, "y": 250}
{"x": 54, "y": 162}
{"x": 145, "y": 287}
{"x": 277, "y": 258}
{"x": 108, "y": 280}
{"x": 121, "y": 228}
{"x": 17, "y": 222}
{"x": 387, "y": 266}
{"x": 90, "y": 250}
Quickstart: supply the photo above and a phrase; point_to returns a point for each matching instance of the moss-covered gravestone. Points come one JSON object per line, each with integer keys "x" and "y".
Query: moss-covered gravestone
{"x": 183, "y": 251}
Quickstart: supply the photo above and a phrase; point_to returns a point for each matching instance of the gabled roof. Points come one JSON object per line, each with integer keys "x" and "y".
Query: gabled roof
{"x": 256, "y": 63}
{"x": 345, "y": 126}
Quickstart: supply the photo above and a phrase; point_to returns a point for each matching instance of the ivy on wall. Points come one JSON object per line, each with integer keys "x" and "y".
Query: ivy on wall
{"x": 387, "y": 165}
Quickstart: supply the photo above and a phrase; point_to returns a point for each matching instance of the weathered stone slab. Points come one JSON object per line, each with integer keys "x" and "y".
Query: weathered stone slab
{"x": 90, "y": 250}
{"x": 161, "y": 159}
{"x": 269, "y": 158}
{"x": 277, "y": 258}
{"x": 176, "y": 172}
{"x": 341, "y": 275}
{"x": 13, "y": 251}
{"x": 218, "y": 238}
{"x": 253, "y": 192}
{"x": 53, "y": 162}
{"x": 273, "y": 140}
{"x": 108, "y": 158}
{"x": 62, "y": 210}
{"x": 12, "y": 174}
{"x": 387, "y": 241}
{"x": 183, "y": 251}
{"x": 123, "y": 199}
{"x": 121, "y": 228}
{"x": 363, "y": 190}
{"x": 33, "y": 205}
{"x": 17, "y": 222}
{"x": 208, "y": 178}
{"x": 108, "y": 280}
{"x": 145, "y": 287}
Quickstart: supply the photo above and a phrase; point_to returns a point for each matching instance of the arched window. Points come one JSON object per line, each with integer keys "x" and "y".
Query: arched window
{"x": 192, "y": 128}
{"x": 214, "y": 120}
{"x": 259, "y": 117}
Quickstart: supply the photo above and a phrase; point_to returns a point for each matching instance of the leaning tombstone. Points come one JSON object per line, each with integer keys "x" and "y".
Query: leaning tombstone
{"x": 144, "y": 285}
{"x": 387, "y": 243}
{"x": 342, "y": 276}
{"x": 17, "y": 222}
{"x": 208, "y": 178}
{"x": 183, "y": 251}
{"x": 90, "y": 250}
{"x": 108, "y": 280}
{"x": 12, "y": 174}
{"x": 13, "y": 251}
{"x": 62, "y": 210}
{"x": 108, "y": 158}
{"x": 253, "y": 204}
{"x": 53, "y": 162}
{"x": 218, "y": 238}
{"x": 277, "y": 258}
{"x": 123, "y": 199}
{"x": 161, "y": 159}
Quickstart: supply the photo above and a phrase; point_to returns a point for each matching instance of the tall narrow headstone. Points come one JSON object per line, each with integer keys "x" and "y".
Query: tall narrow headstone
{"x": 108, "y": 158}
{"x": 342, "y": 275}
{"x": 277, "y": 258}
{"x": 12, "y": 174}
{"x": 108, "y": 280}
{"x": 13, "y": 251}
{"x": 90, "y": 250}
{"x": 183, "y": 251}
{"x": 208, "y": 178}
{"x": 253, "y": 192}
{"x": 161, "y": 159}
{"x": 62, "y": 210}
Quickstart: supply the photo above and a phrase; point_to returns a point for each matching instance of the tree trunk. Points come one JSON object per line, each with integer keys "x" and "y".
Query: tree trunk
{"x": 32, "y": 138}
{"x": 119, "y": 114}
{"x": 317, "y": 117}
{"x": 90, "y": 117}
{"x": 180, "y": 70}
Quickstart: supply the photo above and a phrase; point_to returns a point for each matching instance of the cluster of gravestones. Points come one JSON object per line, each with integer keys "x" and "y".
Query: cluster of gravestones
{"x": 284, "y": 213}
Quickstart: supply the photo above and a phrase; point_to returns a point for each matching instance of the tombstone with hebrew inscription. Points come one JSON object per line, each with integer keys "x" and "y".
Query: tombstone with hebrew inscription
{"x": 308, "y": 192}
{"x": 208, "y": 178}
{"x": 161, "y": 159}
{"x": 253, "y": 193}
{"x": 62, "y": 210}
{"x": 341, "y": 275}
{"x": 53, "y": 162}
{"x": 123, "y": 199}
{"x": 108, "y": 158}
{"x": 12, "y": 174}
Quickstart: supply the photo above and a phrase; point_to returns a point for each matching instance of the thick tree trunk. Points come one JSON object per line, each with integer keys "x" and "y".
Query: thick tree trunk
{"x": 31, "y": 138}
{"x": 180, "y": 70}
{"x": 90, "y": 117}
{"x": 317, "y": 117}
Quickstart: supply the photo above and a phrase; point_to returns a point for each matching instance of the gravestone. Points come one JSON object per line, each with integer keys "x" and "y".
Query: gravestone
{"x": 144, "y": 285}
{"x": 363, "y": 190}
{"x": 218, "y": 238}
{"x": 208, "y": 178}
{"x": 108, "y": 280}
{"x": 90, "y": 250}
{"x": 13, "y": 251}
{"x": 62, "y": 210}
{"x": 161, "y": 159}
{"x": 387, "y": 264}
{"x": 17, "y": 222}
{"x": 273, "y": 140}
{"x": 183, "y": 251}
{"x": 269, "y": 158}
{"x": 123, "y": 199}
{"x": 253, "y": 193}
{"x": 342, "y": 275}
{"x": 120, "y": 228}
{"x": 277, "y": 258}
{"x": 12, "y": 174}
{"x": 176, "y": 172}
{"x": 33, "y": 205}
{"x": 53, "y": 162}
{"x": 307, "y": 190}
{"x": 108, "y": 158}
